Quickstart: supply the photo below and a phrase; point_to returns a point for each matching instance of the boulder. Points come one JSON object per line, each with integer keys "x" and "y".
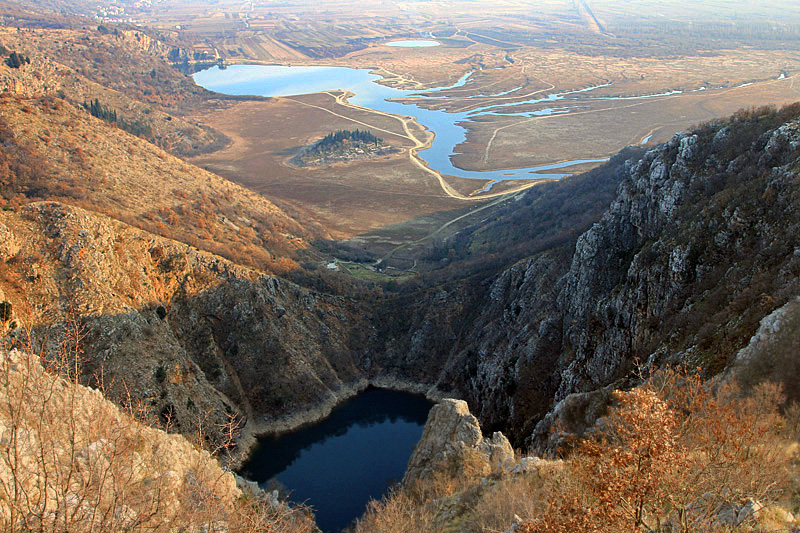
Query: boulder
{"x": 451, "y": 432}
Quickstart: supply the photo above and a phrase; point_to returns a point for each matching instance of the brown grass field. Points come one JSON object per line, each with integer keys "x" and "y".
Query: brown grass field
{"x": 349, "y": 198}
{"x": 510, "y": 49}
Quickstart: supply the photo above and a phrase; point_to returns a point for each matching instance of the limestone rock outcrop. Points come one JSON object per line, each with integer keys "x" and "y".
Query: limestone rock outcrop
{"x": 450, "y": 433}
{"x": 698, "y": 245}
{"x": 186, "y": 332}
{"x": 77, "y": 463}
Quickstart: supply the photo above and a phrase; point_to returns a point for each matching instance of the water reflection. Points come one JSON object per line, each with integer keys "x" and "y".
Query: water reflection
{"x": 337, "y": 465}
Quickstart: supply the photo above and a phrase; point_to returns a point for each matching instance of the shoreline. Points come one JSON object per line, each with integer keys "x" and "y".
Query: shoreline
{"x": 343, "y": 99}
{"x": 311, "y": 414}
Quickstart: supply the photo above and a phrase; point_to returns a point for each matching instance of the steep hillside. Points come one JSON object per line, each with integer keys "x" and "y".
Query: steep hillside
{"x": 72, "y": 461}
{"x": 120, "y": 58}
{"x": 188, "y": 333}
{"x": 125, "y": 68}
{"x": 698, "y": 245}
{"x": 670, "y": 455}
{"x": 46, "y": 77}
{"x": 533, "y": 315}
{"x": 54, "y": 151}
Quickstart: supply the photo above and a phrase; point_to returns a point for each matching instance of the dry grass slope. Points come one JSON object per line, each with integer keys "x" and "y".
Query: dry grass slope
{"x": 674, "y": 455}
{"x": 70, "y": 461}
{"x": 55, "y": 151}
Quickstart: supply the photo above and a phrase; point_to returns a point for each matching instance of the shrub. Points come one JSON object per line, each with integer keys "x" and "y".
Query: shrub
{"x": 71, "y": 461}
{"x": 160, "y": 374}
{"x": 396, "y": 513}
{"x": 672, "y": 453}
{"x": 16, "y": 60}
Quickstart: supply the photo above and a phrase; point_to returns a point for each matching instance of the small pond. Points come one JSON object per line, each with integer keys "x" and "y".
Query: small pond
{"x": 339, "y": 464}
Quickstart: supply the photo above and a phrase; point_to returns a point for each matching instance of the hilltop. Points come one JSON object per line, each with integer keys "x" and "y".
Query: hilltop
{"x": 343, "y": 146}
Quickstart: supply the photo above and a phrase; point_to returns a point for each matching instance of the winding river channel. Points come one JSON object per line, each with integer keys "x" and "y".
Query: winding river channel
{"x": 448, "y": 127}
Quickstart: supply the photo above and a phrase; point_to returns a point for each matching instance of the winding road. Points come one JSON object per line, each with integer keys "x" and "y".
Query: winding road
{"x": 341, "y": 99}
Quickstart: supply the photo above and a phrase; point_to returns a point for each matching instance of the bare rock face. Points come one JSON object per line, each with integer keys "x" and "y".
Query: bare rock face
{"x": 698, "y": 245}
{"x": 450, "y": 432}
{"x": 185, "y": 332}
{"x": 8, "y": 244}
{"x": 52, "y": 429}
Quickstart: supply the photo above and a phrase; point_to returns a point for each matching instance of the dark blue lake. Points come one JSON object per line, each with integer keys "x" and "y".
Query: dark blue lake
{"x": 337, "y": 465}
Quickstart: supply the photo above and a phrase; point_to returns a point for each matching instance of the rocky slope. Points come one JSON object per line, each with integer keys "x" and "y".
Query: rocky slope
{"x": 123, "y": 68}
{"x": 53, "y": 150}
{"x": 695, "y": 249}
{"x": 534, "y": 317}
{"x": 73, "y": 461}
{"x": 188, "y": 333}
{"x": 698, "y": 245}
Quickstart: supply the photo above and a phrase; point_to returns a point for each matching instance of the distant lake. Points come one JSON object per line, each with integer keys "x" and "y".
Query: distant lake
{"x": 413, "y": 44}
{"x": 339, "y": 464}
{"x": 275, "y": 80}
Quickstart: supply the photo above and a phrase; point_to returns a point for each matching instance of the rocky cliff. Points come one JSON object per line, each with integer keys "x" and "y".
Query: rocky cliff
{"x": 190, "y": 334}
{"x": 698, "y": 245}
{"x": 72, "y": 461}
{"x": 695, "y": 247}
{"x": 451, "y": 434}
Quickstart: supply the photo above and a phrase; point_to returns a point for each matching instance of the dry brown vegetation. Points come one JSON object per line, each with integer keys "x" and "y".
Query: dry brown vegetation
{"x": 55, "y": 151}
{"x": 673, "y": 455}
{"x": 124, "y": 68}
{"x": 676, "y": 454}
{"x": 347, "y": 198}
{"x": 72, "y": 462}
{"x": 126, "y": 60}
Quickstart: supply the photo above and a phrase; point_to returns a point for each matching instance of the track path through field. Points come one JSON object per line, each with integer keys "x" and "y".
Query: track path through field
{"x": 341, "y": 99}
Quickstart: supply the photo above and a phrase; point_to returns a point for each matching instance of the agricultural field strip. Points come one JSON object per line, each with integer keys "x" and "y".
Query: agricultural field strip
{"x": 612, "y": 108}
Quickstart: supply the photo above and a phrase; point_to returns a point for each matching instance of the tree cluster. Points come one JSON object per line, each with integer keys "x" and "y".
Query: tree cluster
{"x": 136, "y": 127}
{"x": 15, "y": 60}
{"x": 336, "y": 139}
